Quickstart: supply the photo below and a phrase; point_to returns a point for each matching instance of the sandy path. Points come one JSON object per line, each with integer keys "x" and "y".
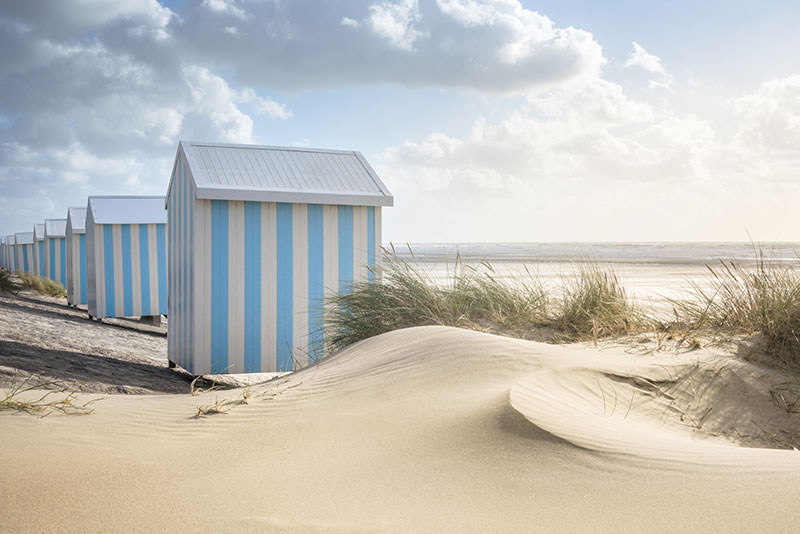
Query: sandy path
{"x": 412, "y": 431}
{"x": 46, "y": 338}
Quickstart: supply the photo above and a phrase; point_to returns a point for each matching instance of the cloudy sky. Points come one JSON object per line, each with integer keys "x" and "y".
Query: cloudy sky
{"x": 490, "y": 120}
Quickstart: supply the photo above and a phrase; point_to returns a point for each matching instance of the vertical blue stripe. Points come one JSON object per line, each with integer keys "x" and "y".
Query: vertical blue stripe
{"x": 144, "y": 268}
{"x": 127, "y": 271}
{"x": 316, "y": 281}
{"x": 252, "y": 287}
{"x": 219, "y": 286}
{"x": 25, "y": 258}
{"x": 285, "y": 290}
{"x": 62, "y": 245}
{"x": 108, "y": 262}
{"x": 161, "y": 252}
{"x": 82, "y": 252}
{"x": 52, "y": 274}
{"x": 42, "y": 270}
{"x": 345, "y": 249}
{"x": 371, "y": 243}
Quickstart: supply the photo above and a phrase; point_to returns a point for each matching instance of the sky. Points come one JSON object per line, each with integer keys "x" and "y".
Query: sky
{"x": 489, "y": 120}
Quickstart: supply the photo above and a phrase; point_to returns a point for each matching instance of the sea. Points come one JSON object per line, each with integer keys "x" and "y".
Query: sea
{"x": 653, "y": 274}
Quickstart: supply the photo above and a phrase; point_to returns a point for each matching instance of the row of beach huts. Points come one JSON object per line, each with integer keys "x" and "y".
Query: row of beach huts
{"x": 240, "y": 255}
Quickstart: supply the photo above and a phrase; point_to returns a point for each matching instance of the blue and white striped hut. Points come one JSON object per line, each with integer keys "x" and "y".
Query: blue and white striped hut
{"x": 76, "y": 256}
{"x": 3, "y": 252}
{"x": 10, "y": 253}
{"x": 38, "y": 249}
{"x": 126, "y": 256}
{"x": 55, "y": 250}
{"x": 259, "y": 236}
{"x": 24, "y": 251}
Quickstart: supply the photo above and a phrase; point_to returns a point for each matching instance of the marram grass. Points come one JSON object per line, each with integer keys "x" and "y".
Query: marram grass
{"x": 591, "y": 304}
{"x": 45, "y": 286}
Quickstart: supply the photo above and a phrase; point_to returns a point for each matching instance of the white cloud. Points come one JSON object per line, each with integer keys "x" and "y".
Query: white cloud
{"x": 227, "y": 6}
{"x": 351, "y": 23}
{"x": 395, "y": 22}
{"x": 641, "y": 58}
{"x": 585, "y": 162}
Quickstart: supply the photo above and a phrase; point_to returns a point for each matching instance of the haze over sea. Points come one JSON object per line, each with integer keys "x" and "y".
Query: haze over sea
{"x": 652, "y": 273}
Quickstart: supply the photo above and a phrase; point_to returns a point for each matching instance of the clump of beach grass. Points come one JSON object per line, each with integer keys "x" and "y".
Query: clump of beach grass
{"x": 7, "y": 283}
{"x": 739, "y": 299}
{"x": 41, "y": 285}
{"x": 592, "y": 304}
{"x": 17, "y": 396}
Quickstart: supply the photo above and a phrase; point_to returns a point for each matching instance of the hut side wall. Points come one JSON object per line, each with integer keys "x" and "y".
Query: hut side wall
{"x": 38, "y": 257}
{"x": 127, "y": 276}
{"x": 24, "y": 260}
{"x": 181, "y": 222}
{"x": 76, "y": 267}
{"x": 55, "y": 252}
{"x": 92, "y": 277}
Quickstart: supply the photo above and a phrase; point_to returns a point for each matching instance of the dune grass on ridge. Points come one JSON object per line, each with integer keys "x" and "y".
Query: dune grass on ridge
{"x": 41, "y": 285}
{"x": 591, "y": 304}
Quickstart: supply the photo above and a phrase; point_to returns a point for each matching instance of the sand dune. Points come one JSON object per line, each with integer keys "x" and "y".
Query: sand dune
{"x": 419, "y": 430}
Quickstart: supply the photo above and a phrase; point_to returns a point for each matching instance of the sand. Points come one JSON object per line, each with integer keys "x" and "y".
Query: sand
{"x": 428, "y": 429}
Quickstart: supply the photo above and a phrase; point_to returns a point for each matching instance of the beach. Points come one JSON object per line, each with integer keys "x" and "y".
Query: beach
{"x": 422, "y": 429}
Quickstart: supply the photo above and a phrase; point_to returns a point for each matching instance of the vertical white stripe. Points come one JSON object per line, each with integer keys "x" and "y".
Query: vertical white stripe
{"x": 197, "y": 355}
{"x": 300, "y": 284}
{"x": 57, "y": 266}
{"x": 330, "y": 221}
{"x": 269, "y": 287}
{"x": 136, "y": 274}
{"x": 119, "y": 293}
{"x": 378, "y": 243}
{"x": 206, "y": 364}
{"x": 152, "y": 264}
{"x": 235, "y": 286}
{"x": 100, "y": 269}
{"x": 359, "y": 243}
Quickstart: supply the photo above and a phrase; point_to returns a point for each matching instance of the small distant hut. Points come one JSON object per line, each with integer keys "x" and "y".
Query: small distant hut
{"x": 258, "y": 237}
{"x": 55, "y": 250}
{"x": 38, "y": 249}
{"x": 3, "y": 252}
{"x": 10, "y": 253}
{"x": 24, "y": 251}
{"x": 126, "y": 256}
{"x": 76, "y": 256}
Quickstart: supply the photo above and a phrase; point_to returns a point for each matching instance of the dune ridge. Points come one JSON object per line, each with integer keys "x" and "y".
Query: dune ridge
{"x": 423, "y": 429}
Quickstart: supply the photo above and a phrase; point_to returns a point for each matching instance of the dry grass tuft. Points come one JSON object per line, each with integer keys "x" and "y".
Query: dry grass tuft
{"x": 7, "y": 283}
{"x": 41, "y": 285}
{"x": 15, "y": 398}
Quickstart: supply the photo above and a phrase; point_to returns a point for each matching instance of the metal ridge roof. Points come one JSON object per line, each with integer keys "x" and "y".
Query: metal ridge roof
{"x": 283, "y": 174}
{"x": 77, "y": 219}
{"x": 38, "y": 231}
{"x": 24, "y": 238}
{"x": 55, "y": 227}
{"x": 127, "y": 209}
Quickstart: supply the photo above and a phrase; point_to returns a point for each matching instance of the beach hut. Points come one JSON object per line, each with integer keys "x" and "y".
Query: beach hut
{"x": 126, "y": 256}
{"x": 55, "y": 250}
{"x": 38, "y": 249}
{"x": 3, "y": 251}
{"x": 258, "y": 237}
{"x": 10, "y": 253}
{"x": 76, "y": 256}
{"x": 24, "y": 251}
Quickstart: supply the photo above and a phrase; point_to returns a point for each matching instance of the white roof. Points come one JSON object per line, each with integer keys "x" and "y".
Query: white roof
{"x": 38, "y": 232}
{"x": 283, "y": 174}
{"x": 24, "y": 238}
{"x": 55, "y": 227}
{"x": 128, "y": 210}
{"x": 77, "y": 219}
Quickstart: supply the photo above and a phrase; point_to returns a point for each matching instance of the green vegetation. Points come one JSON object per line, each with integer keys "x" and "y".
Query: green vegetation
{"x": 763, "y": 299}
{"x": 592, "y": 304}
{"x": 44, "y": 286}
{"x": 588, "y": 303}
